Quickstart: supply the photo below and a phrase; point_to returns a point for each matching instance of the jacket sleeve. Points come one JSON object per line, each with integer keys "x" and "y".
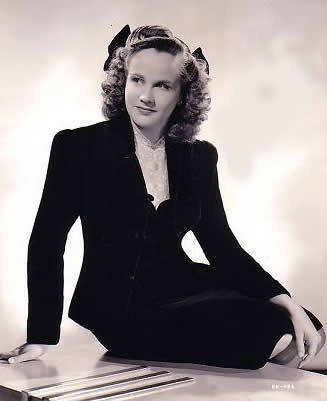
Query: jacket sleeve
{"x": 235, "y": 268}
{"x": 58, "y": 210}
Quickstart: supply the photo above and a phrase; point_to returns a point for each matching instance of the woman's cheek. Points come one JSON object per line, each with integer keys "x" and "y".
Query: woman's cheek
{"x": 132, "y": 95}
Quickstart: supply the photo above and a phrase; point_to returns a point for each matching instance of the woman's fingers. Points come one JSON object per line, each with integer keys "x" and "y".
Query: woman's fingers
{"x": 299, "y": 340}
{"x": 12, "y": 353}
{"x": 26, "y": 356}
{"x": 307, "y": 337}
{"x": 25, "y": 352}
{"x": 6, "y": 355}
{"x": 312, "y": 348}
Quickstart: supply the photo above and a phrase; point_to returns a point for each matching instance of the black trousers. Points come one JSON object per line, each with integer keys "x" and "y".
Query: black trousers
{"x": 218, "y": 327}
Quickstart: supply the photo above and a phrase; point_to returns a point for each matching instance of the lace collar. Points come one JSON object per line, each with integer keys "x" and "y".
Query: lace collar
{"x": 140, "y": 138}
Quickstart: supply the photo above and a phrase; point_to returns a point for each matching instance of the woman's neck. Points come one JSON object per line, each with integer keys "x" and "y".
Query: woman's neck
{"x": 150, "y": 135}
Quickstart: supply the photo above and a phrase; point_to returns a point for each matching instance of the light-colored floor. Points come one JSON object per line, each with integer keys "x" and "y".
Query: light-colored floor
{"x": 70, "y": 361}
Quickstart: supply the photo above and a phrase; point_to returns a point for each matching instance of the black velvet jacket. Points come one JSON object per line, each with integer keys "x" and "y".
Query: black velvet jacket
{"x": 94, "y": 174}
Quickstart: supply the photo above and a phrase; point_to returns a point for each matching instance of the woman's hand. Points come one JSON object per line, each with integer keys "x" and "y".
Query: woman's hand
{"x": 25, "y": 352}
{"x": 307, "y": 337}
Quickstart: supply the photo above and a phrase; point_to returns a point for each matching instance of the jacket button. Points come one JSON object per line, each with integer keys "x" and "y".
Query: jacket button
{"x": 149, "y": 197}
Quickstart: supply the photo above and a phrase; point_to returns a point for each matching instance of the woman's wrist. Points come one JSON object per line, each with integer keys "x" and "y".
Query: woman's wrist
{"x": 286, "y": 302}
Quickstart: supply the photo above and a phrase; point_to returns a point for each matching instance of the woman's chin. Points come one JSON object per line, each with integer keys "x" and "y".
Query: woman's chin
{"x": 144, "y": 122}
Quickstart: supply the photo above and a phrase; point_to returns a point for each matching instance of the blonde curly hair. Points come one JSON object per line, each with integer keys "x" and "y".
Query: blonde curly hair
{"x": 184, "y": 122}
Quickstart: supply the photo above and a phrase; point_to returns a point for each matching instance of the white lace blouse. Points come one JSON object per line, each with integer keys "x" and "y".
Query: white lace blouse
{"x": 153, "y": 161}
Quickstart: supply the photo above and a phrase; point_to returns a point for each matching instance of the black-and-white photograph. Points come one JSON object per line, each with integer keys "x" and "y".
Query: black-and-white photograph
{"x": 163, "y": 200}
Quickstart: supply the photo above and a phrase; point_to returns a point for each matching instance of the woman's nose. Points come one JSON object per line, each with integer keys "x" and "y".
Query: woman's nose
{"x": 147, "y": 96}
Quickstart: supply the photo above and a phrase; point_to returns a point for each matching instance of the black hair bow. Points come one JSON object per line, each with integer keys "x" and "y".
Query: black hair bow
{"x": 118, "y": 41}
{"x": 199, "y": 55}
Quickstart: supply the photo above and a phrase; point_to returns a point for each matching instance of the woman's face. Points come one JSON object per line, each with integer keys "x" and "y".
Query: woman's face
{"x": 152, "y": 90}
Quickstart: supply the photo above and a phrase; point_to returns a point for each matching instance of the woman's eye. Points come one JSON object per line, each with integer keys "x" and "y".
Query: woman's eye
{"x": 136, "y": 79}
{"x": 162, "y": 85}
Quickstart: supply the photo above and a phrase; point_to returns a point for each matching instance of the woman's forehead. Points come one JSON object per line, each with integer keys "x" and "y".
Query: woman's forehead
{"x": 155, "y": 64}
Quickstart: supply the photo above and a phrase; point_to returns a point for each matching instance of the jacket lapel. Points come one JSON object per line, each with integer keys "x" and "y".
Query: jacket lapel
{"x": 125, "y": 197}
{"x": 175, "y": 166}
{"x": 130, "y": 170}
{"x": 128, "y": 173}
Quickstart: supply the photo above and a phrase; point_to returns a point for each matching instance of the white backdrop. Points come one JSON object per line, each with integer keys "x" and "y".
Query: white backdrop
{"x": 268, "y": 121}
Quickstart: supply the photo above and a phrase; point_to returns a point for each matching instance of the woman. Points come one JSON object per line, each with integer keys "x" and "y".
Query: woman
{"x": 139, "y": 182}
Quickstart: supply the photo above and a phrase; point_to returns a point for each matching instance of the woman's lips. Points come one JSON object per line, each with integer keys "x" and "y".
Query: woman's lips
{"x": 145, "y": 111}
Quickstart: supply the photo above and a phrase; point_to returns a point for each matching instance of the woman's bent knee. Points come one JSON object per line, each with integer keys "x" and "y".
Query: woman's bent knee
{"x": 282, "y": 344}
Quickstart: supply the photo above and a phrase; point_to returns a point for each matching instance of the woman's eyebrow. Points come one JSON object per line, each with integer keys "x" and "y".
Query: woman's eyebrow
{"x": 165, "y": 81}
{"x": 172, "y": 84}
{"x": 137, "y": 74}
